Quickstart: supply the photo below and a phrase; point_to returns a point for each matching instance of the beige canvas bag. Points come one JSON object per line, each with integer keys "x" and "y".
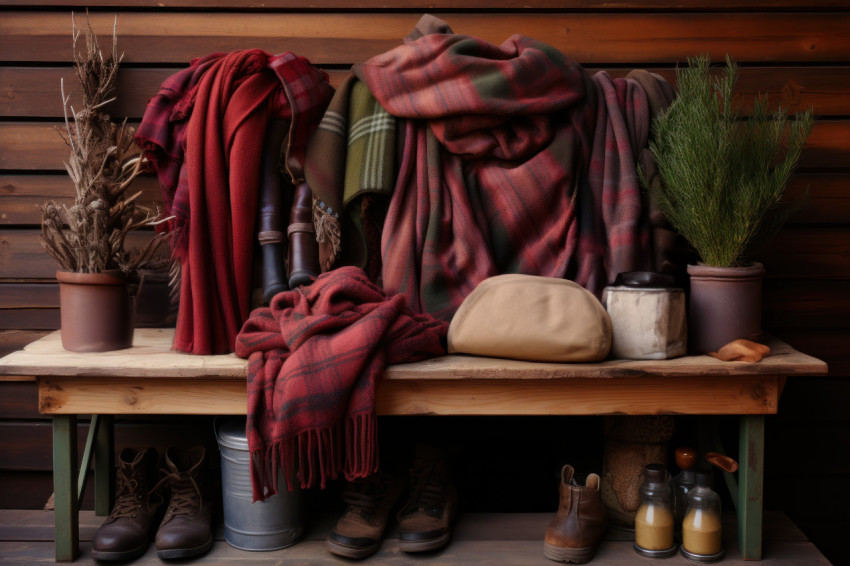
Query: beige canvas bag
{"x": 527, "y": 317}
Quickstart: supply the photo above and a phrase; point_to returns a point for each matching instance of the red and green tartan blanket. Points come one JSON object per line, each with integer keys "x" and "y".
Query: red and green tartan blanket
{"x": 315, "y": 356}
{"x": 515, "y": 160}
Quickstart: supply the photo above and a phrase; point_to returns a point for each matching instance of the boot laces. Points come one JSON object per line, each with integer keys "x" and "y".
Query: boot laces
{"x": 185, "y": 493}
{"x": 363, "y": 495}
{"x": 129, "y": 495}
{"x": 427, "y": 479}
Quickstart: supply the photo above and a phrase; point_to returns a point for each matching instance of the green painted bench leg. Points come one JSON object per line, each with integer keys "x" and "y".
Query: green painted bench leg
{"x": 104, "y": 464}
{"x": 66, "y": 504}
{"x": 750, "y": 486}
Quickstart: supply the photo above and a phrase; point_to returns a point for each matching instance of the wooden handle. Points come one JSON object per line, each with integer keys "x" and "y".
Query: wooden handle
{"x": 725, "y": 463}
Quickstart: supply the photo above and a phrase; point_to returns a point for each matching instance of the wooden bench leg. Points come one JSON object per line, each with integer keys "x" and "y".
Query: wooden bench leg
{"x": 750, "y": 486}
{"x": 104, "y": 464}
{"x": 66, "y": 503}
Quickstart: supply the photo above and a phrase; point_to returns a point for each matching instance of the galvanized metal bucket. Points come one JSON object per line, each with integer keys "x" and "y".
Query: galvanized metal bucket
{"x": 272, "y": 524}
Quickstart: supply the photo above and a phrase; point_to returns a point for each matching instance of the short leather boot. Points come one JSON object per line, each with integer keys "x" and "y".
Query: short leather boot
{"x": 185, "y": 529}
{"x": 578, "y": 525}
{"x": 360, "y": 529}
{"x": 425, "y": 520}
{"x": 126, "y": 532}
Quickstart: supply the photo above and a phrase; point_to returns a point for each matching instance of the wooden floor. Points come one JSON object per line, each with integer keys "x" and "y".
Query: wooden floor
{"x": 26, "y": 538}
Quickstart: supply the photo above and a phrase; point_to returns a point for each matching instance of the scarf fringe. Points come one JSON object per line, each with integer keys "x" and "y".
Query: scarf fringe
{"x": 313, "y": 456}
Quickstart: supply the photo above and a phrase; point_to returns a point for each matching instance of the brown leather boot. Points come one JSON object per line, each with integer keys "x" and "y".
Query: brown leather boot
{"x": 126, "y": 532}
{"x": 578, "y": 525}
{"x": 425, "y": 520}
{"x": 360, "y": 529}
{"x": 185, "y": 530}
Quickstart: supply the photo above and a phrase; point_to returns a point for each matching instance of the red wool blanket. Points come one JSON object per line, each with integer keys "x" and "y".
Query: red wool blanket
{"x": 204, "y": 133}
{"x": 315, "y": 357}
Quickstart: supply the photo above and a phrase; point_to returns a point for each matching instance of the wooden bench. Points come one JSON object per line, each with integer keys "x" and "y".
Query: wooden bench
{"x": 150, "y": 378}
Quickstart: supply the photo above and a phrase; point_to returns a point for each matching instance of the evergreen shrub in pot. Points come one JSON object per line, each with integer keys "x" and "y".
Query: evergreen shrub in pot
{"x": 721, "y": 176}
{"x": 88, "y": 236}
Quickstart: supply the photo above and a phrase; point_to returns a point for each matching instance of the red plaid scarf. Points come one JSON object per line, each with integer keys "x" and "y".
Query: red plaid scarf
{"x": 315, "y": 356}
{"x": 210, "y": 170}
{"x": 515, "y": 161}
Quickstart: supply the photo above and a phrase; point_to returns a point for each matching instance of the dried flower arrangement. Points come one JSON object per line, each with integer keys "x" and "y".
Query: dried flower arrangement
{"x": 89, "y": 236}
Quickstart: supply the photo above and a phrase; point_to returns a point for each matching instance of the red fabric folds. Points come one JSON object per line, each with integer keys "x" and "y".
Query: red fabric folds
{"x": 204, "y": 133}
{"x": 315, "y": 357}
{"x": 515, "y": 161}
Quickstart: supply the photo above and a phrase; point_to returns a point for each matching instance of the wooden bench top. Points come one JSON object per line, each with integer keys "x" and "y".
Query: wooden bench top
{"x": 150, "y": 378}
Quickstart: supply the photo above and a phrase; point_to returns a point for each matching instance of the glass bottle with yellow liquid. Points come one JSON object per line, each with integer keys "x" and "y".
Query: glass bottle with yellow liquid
{"x": 702, "y": 539}
{"x": 654, "y": 518}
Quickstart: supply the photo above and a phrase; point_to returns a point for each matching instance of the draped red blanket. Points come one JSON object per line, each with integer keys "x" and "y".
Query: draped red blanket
{"x": 515, "y": 161}
{"x": 204, "y": 133}
{"x": 315, "y": 357}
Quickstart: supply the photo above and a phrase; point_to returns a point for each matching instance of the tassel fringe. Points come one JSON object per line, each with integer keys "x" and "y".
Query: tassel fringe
{"x": 313, "y": 456}
{"x": 328, "y": 232}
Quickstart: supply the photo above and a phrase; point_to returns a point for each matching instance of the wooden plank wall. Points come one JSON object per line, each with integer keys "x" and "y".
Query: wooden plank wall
{"x": 798, "y": 52}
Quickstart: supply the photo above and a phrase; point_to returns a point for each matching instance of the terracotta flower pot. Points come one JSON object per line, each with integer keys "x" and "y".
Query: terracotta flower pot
{"x": 724, "y": 305}
{"x": 96, "y": 311}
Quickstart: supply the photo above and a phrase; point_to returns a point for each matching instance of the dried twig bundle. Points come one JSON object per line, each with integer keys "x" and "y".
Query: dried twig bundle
{"x": 89, "y": 235}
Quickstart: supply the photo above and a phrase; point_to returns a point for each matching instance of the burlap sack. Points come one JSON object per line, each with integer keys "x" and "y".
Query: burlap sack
{"x": 526, "y": 317}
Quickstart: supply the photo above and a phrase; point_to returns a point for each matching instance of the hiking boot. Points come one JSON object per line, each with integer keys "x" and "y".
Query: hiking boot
{"x": 424, "y": 521}
{"x": 126, "y": 532}
{"x": 578, "y": 525}
{"x": 369, "y": 500}
{"x": 185, "y": 529}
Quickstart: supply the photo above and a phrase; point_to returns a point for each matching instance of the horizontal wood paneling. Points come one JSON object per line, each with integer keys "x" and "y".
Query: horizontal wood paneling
{"x": 800, "y": 252}
{"x": 828, "y": 199}
{"x": 38, "y": 146}
{"x": 22, "y": 195}
{"x": 30, "y": 490}
{"x": 19, "y": 400}
{"x": 29, "y": 319}
{"x": 29, "y": 295}
{"x": 34, "y": 91}
{"x": 21, "y": 254}
{"x": 333, "y": 38}
{"x": 806, "y": 304}
{"x": 600, "y": 5}
{"x": 28, "y": 445}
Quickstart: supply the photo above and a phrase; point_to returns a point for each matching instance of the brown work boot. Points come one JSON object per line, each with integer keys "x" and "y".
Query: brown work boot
{"x": 369, "y": 500}
{"x": 425, "y": 520}
{"x": 185, "y": 529}
{"x": 126, "y": 532}
{"x": 578, "y": 525}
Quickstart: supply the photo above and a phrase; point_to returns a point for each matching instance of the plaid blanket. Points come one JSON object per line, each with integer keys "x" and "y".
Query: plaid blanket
{"x": 201, "y": 133}
{"x": 515, "y": 161}
{"x": 315, "y": 356}
{"x": 350, "y": 168}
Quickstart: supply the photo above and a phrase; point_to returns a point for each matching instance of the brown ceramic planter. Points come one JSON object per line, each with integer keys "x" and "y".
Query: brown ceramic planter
{"x": 96, "y": 311}
{"x": 724, "y": 305}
